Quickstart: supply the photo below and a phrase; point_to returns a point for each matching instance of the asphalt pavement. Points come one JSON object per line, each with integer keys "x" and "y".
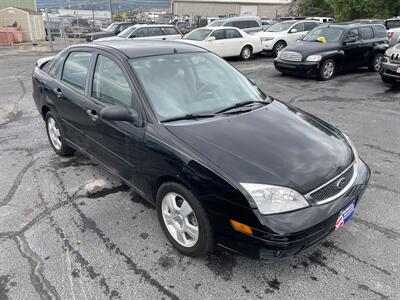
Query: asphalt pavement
{"x": 70, "y": 230}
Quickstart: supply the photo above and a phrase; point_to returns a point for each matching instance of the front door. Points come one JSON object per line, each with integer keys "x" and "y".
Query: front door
{"x": 352, "y": 54}
{"x": 218, "y": 45}
{"x": 115, "y": 143}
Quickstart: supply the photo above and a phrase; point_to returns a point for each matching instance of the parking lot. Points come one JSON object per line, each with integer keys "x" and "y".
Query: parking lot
{"x": 70, "y": 230}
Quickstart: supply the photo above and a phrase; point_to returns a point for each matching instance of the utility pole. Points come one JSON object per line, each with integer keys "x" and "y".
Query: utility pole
{"x": 111, "y": 12}
{"x": 49, "y": 36}
{"x": 91, "y": 3}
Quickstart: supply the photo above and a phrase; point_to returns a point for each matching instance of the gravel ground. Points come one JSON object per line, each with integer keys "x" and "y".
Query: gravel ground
{"x": 70, "y": 230}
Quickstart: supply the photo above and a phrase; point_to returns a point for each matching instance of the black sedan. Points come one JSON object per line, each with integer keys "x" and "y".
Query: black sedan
{"x": 223, "y": 163}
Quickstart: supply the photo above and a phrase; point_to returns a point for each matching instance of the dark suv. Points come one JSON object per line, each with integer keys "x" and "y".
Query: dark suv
{"x": 114, "y": 29}
{"x": 390, "y": 68}
{"x": 328, "y": 49}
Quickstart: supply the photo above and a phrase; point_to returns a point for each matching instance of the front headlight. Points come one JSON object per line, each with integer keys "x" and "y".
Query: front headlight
{"x": 353, "y": 147}
{"x": 266, "y": 39}
{"x": 272, "y": 199}
{"x": 314, "y": 58}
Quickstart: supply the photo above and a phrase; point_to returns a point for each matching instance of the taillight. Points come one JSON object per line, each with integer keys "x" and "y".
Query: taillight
{"x": 390, "y": 35}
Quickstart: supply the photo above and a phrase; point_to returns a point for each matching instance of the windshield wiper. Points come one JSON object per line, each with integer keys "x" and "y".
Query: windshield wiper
{"x": 240, "y": 104}
{"x": 188, "y": 117}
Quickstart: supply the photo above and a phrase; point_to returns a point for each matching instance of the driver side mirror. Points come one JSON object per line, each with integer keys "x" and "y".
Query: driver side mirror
{"x": 350, "y": 39}
{"x": 293, "y": 30}
{"x": 211, "y": 38}
{"x": 118, "y": 113}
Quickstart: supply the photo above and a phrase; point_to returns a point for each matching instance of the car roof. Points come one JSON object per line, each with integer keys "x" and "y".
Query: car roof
{"x": 350, "y": 25}
{"x": 152, "y": 25}
{"x": 143, "y": 48}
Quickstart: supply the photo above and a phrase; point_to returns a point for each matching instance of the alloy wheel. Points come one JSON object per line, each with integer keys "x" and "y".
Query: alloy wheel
{"x": 180, "y": 220}
{"x": 329, "y": 69}
{"x": 377, "y": 63}
{"x": 54, "y": 133}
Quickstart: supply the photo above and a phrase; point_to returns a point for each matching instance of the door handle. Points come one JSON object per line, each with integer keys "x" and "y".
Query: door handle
{"x": 58, "y": 92}
{"x": 164, "y": 39}
{"x": 92, "y": 114}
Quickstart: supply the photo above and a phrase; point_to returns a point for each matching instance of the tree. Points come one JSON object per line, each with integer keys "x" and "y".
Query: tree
{"x": 361, "y": 9}
{"x": 316, "y": 8}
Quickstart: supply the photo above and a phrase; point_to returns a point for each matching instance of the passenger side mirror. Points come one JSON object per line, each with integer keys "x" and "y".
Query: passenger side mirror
{"x": 118, "y": 113}
{"x": 293, "y": 30}
{"x": 211, "y": 38}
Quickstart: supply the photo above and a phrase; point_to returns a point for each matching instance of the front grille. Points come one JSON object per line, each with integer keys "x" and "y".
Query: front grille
{"x": 333, "y": 187}
{"x": 290, "y": 56}
{"x": 395, "y": 58}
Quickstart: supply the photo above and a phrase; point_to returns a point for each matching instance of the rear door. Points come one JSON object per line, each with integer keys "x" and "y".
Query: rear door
{"x": 155, "y": 33}
{"x": 115, "y": 143}
{"x": 234, "y": 42}
{"x": 69, "y": 95}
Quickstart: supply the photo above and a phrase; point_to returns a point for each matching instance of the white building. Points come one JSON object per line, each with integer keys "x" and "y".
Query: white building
{"x": 217, "y": 8}
{"x": 86, "y": 14}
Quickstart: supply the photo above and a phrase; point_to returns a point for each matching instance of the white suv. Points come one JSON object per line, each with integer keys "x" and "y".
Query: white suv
{"x": 278, "y": 36}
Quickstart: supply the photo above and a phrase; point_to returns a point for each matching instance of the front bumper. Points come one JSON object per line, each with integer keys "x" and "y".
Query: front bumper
{"x": 268, "y": 45}
{"x": 388, "y": 69}
{"x": 297, "y": 68}
{"x": 284, "y": 235}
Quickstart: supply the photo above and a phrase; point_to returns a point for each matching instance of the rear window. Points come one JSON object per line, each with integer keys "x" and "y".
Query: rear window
{"x": 245, "y": 24}
{"x": 392, "y": 24}
{"x": 379, "y": 32}
{"x": 366, "y": 33}
{"x": 76, "y": 68}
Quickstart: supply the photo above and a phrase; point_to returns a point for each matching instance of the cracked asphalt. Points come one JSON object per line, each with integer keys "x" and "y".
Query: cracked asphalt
{"x": 70, "y": 230}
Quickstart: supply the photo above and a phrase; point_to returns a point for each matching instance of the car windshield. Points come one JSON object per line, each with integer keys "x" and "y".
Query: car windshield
{"x": 112, "y": 27}
{"x": 198, "y": 35}
{"x": 217, "y": 23}
{"x": 192, "y": 84}
{"x": 278, "y": 27}
{"x": 127, "y": 32}
{"x": 326, "y": 34}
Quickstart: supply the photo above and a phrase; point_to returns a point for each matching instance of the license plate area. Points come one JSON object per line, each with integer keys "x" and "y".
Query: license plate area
{"x": 345, "y": 215}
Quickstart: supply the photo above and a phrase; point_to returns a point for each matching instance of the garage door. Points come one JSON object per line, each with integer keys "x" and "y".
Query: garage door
{"x": 248, "y": 10}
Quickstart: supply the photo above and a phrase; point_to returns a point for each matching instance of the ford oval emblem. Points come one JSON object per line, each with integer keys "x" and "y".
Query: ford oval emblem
{"x": 342, "y": 182}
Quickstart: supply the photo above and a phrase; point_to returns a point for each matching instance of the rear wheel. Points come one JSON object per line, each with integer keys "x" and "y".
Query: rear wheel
{"x": 375, "y": 64}
{"x": 327, "y": 70}
{"x": 246, "y": 53}
{"x": 278, "y": 47}
{"x": 183, "y": 220}
{"x": 386, "y": 79}
{"x": 55, "y": 135}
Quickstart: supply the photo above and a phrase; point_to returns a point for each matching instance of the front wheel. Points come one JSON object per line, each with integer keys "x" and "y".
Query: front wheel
{"x": 246, "y": 53}
{"x": 327, "y": 70}
{"x": 375, "y": 64}
{"x": 55, "y": 135}
{"x": 278, "y": 47}
{"x": 184, "y": 220}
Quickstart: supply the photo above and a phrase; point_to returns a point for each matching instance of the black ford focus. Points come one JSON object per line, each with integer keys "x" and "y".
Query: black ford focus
{"x": 223, "y": 163}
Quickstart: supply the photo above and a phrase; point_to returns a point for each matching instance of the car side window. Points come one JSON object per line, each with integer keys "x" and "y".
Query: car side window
{"x": 154, "y": 31}
{"x": 219, "y": 34}
{"x": 366, "y": 33}
{"x": 379, "y": 31}
{"x": 309, "y": 26}
{"x": 56, "y": 67}
{"x": 76, "y": 68}
{"x": 299, "y": 27}
{"x": 232, "y": 34}
{"x": 169, "y": 30}
{"x": 353, "y": 32}
{"x": 141, "y": 32}
{"x": 110, "y": 84}
{"x": 125, "y": 26}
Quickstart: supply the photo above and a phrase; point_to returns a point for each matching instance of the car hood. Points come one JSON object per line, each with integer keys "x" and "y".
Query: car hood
{"x": 276, "y": 144}
{"x": 307, "y": 48}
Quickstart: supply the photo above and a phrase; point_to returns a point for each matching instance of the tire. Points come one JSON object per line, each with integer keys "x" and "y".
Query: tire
{"x": 386, "y": 79}
{"x": 375, "y": 64}
{"x": 246, "y": 53}
{"x": 55, "y": 136}
{"x": 327, "y": 70}
{"x": 278, "y": 47}
{"x": 169, "y": 202}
